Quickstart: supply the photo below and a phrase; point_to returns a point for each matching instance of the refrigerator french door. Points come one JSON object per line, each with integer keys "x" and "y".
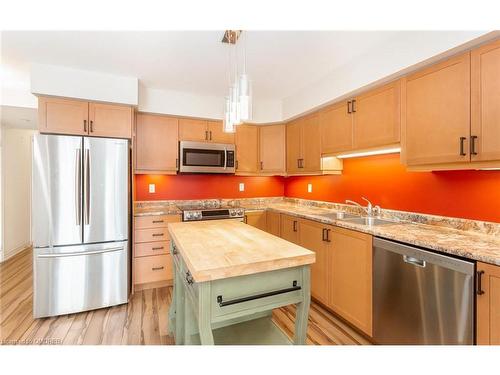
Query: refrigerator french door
{"x": 80, "y": 200}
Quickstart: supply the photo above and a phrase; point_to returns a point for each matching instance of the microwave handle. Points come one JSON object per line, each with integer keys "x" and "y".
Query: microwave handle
{"x": 225, "y": 158}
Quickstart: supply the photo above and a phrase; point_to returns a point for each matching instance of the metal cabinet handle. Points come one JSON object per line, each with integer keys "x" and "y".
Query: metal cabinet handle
{"x": 257, "y": 296}
{"x": 174, "y": 250}
{"x": 295, "y": 225}
{"x": 206, "y": 135}
{"x": 157, "y": 268}
{"x": 236, "y": 164}
{"x": 480, "y": 290}
{"x": 85, "y": 126}
{"x": 157, "y": 248}
{"x": 473, "y": 145}
{"x": 210, "y": 135}
{"x": 261, "y": 165}
{"x": 353, "y": 108}
{"x": 176, "y": 163}
{"x": 91, "y": 126}
{"x": 157, "y": 221}
{"x": 323, "y": 234}
{"x": 462, "y": 147}
{"x": 158, "y": 234}
{"x": 349, "y": 107}
{"x": 328, "y": 235}
{"x": 189, "y": 278}
{"x": 245, "y": 219}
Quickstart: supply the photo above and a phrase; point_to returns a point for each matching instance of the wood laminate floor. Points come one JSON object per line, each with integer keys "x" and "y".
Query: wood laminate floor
{"x": 142, "y": 321}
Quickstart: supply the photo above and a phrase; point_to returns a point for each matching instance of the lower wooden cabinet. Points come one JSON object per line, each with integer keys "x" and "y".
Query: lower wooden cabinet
{"x": 350, "y": 272}
{"x": 152, "y": 262}
{"x": 273, "y": 223}
{"x": 256, "y": 219}
{"x": 488, "y": 304}
{"x": 289, "y": 228}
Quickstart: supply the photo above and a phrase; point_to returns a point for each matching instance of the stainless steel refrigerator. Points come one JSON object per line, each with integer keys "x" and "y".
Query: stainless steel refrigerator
{"x": 80, "y": 223}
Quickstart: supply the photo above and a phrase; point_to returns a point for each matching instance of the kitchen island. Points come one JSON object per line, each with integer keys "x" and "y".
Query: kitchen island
{"x": 229, "y": 274}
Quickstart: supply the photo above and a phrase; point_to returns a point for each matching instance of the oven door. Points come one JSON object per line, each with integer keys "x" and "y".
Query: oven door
{"x": 200, "y": 157}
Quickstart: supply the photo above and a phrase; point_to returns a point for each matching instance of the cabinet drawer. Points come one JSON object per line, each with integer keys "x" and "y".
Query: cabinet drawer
{"x": 151, "y": 248}
{"x": 151, "y": 235}
{"x": 153, "y": 268}
{"x": 143, "y": 222}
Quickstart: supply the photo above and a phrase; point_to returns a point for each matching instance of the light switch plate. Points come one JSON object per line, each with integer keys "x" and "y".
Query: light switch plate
{"x": 242, "y": 186}
{"x": 152, "y": 188}
{"x": 309, "y": 188}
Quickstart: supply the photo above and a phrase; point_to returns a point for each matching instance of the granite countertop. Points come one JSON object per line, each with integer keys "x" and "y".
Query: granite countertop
{"x": 446, "y": 235}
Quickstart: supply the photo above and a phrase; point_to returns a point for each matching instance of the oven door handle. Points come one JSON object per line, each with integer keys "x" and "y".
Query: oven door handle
{"x": 225, "y": 158}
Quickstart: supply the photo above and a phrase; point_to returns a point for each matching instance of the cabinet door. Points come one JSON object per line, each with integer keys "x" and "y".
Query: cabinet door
{"x": 336, "y": 129}
{"x": 272, "y": 148}
{"x": 377, "y": 117}
{"x": 312, "y": 237}
{"x": 63, "y": 116}
{"x": 289, "y": 228}
{"x": 293, "y": 146}
{"x": 485, "y": 115}
{"x": 193, "y": 130}
{"x": 488, "y": 305}
{"x": 110, "y": 120}
{"x": 256, "y": 219}
{"x": 436, "y": 113}
{"x": 217, "y": 135}
{"x": 273, "y": 223}
{"x": 311, "y": 144}
{"x": 351, "y": 277}
{"x": 156, "y": 146}
{"x": 247, "y": 149}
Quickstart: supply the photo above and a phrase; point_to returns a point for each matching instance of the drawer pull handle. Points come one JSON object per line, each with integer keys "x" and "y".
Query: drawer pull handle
{"x": 480, "y": 290}
{"x": 157, "y": 221}
{"x": 157, "y": 268}
{"x": 157, "y": 248}
{"x": 157, "y": 234}
{"x": 257, "y": 296}
{"x": 189, "y": 278}
{"x": 174, "y": 250}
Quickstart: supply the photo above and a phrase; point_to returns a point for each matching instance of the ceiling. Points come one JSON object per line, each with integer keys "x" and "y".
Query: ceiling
{"x": 280, "y": 63}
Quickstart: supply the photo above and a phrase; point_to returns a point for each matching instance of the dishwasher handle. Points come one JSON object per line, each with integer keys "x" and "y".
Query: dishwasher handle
{"x": 414, "y": 261}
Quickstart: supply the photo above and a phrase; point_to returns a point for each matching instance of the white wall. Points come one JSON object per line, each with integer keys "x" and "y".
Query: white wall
{"x": 82, "y": 84}
{"x": 16, "y": 190}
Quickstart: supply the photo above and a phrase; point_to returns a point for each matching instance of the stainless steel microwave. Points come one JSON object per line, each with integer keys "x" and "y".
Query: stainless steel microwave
{"x": 203, "y": 157}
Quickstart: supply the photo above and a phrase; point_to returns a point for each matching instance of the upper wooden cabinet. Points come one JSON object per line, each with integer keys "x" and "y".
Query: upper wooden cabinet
{"x": 156, "y": 144}
{"x": 247, "y": 149}
{"x": 63, "y": 116}
{"x": 193, "y": 130}
{"x": 485, "y": 101}
{"x": 377, "y": 117}
{"x": 216, "y": 133}
{"x": 436, "y": 113}
{"x": 336, "y": 125}
{"x": 110, "y": 120}
{"x": 488, "y": 304}
{"x": 293, "y": 146}
{"x": 76, "y": 117}
{"x": 311, "y": 144}
{"x": 350, "y": 293}
{"x": 203, "y": 131}
{"x": 272, "y": 149}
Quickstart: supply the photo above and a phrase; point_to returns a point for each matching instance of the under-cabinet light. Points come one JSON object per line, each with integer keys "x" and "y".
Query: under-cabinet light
{"x": 392, "y": 150}
{"x": 489, "y": 169}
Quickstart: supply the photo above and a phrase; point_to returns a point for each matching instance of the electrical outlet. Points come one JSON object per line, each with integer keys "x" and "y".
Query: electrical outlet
{"x": 152, "y": 188}
{"x": 309, "y": 188}
{"x": 242, "y": 186}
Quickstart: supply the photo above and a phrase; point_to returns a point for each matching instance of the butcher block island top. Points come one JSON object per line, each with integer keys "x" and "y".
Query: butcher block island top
{"x": 220, "y": 249}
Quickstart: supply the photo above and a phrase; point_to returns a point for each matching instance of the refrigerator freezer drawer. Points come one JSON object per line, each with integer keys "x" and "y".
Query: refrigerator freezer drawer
{"x": 79, "y": 278}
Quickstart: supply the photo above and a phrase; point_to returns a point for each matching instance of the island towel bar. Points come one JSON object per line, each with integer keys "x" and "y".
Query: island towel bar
{"x": 257, "y": 296}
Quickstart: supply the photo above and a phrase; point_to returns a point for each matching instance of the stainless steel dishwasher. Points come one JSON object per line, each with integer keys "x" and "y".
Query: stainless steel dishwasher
{"x": 420, "y": 297}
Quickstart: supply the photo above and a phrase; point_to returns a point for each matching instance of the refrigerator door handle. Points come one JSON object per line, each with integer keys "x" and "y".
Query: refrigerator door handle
{"x": 78, "y": 186}
{"x": 113, "y": 249}
{"x": 87, "y": 187}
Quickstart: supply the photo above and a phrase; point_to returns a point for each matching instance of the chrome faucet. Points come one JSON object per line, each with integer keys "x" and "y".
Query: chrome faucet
{"x": 369, "y": 209}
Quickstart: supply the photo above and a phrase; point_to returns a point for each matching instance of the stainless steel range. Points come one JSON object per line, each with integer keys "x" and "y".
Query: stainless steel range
{"x": 210, "y": 210}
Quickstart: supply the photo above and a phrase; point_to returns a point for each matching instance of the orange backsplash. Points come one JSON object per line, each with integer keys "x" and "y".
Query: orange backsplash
{"x": 384, "y": 181}
{"x": 197, "y": 186}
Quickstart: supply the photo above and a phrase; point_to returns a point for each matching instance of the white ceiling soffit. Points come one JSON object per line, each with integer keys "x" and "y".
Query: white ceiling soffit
{"x": 291, "y": 71}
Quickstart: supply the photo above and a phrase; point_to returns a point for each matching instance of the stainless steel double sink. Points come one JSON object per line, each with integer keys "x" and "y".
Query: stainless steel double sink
{"x": 357, "y": 219}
